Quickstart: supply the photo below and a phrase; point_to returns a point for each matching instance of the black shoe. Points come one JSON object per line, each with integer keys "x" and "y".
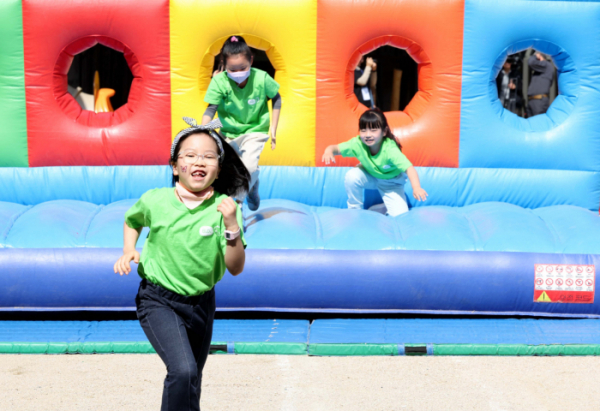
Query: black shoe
{"x": 253, "y": 198}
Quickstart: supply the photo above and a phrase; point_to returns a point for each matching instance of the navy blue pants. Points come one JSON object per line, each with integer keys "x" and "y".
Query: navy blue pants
{"x": 180, "y": 330}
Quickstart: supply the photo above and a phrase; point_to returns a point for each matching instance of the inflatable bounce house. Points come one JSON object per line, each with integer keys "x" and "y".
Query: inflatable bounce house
{"x": 511, "y": 225}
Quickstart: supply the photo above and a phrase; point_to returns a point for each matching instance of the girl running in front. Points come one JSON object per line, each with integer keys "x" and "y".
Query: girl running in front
{"x": 194, "y": 235}
{"x": 382, "y": 166}
{"x": 239, "y": 95}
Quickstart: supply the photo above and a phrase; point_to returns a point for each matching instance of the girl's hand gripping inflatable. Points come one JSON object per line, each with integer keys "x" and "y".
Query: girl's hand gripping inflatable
{"x": 420, "y": 194}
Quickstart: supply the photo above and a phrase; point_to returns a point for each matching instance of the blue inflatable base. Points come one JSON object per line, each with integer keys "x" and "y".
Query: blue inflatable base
{"x": 323, "y": 331}
{"x": 455, "y": 331}
{"x": 392, "y": 281}
{"x": 275, "y": 331}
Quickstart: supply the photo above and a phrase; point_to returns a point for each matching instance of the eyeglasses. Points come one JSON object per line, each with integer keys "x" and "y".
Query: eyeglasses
{"x": 210, "y": 158}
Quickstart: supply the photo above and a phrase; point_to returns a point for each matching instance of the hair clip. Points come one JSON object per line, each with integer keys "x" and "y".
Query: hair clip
{"x": 233, "y": 39}
{"x": 209, "y": 128}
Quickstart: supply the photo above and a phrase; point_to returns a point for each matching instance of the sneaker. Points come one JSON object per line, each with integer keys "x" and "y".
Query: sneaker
{"x": 253, "y": 198}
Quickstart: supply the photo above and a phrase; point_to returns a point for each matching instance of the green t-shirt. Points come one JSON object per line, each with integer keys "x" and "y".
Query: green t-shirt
{"x": 390, "y": 162}
{"x": 185, "y": 250}
{"x": 242, "y": 110}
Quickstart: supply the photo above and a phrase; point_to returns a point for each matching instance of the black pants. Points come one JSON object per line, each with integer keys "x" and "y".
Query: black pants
{"x": 535, "y": 107}
{"x": 180, "y": 330}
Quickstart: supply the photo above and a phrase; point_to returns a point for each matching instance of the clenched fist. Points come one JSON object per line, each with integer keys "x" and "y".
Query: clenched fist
{"x": 228, "y": 208}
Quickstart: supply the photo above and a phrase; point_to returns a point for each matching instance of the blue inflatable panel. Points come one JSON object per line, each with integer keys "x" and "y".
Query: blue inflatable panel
{"x": 97, "y": 185}
{"x": 276, "y": 331}
{"x": 57, "y": 254}
{"x": 567, "y": 137}
{"x": 55, "y": 222}
{"x": 321, "y": 186}
{"x": 70, "y": 331}
{"x": 286, "y": 224}
{"x": 337, "y": 331}
{"x": 303, "y": 281}
{"x": 455, "y": 331}
{"x": 288, "y": 331}
{"x": 529, "y": 188}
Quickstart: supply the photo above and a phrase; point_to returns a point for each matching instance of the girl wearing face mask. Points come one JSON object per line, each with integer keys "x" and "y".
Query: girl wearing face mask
{"x": 382, "y": 166}
{"x": 239, "y": 95}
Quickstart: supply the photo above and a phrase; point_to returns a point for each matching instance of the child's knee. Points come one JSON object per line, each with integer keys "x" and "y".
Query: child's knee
{"x": 183, "y": 373}
{"x": 354, "y": 178}
{"x": 396, "y": 211}
{"x": 395, "y": 203}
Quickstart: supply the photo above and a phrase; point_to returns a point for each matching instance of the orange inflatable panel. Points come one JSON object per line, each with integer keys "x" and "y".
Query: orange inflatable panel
{"x": 431, "y": 32}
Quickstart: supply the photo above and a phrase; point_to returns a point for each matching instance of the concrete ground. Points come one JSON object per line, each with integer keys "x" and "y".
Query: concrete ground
{"x": 250, "y": 382}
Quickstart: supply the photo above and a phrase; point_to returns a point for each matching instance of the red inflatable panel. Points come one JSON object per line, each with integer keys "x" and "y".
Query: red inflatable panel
{"x": 431, "y": 33}
{"x": 60, "y": 133}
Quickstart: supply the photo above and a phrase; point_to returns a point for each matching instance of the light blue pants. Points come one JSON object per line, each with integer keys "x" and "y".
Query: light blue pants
{"x": 248, "y": 147}
{"x": 392, "y": 190}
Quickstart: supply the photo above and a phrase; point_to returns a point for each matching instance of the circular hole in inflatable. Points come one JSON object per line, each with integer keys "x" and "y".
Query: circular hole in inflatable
{"x": 387, "y": 78}
{"x": 97, "y": 81}
{"x": 534, "y": 85}
{"x": 99, "y": 73}
{"x": 261, "y": 62}
{"x": 406, "y": 84}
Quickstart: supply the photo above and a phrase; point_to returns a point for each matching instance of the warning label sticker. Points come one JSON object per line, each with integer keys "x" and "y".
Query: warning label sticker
{"x": 564, "y": 283}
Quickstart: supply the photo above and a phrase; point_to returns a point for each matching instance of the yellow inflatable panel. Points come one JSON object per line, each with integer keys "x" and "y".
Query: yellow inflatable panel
{"x": 286, "y": 30}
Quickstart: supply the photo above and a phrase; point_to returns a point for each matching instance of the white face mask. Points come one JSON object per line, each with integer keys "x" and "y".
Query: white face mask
{"x": 239, "y": 76}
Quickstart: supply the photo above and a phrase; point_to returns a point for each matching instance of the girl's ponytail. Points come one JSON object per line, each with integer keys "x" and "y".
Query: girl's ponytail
{"x": 234, "y": 178}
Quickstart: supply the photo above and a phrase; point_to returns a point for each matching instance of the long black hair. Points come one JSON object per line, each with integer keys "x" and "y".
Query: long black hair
{"x": 232, "y": 46}
{"x": 374, "y": 119}
{"x": 234, "y": 178}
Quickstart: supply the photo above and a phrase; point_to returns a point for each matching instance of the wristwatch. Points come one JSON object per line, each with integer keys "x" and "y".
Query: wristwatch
{"x": 232, "y": 235}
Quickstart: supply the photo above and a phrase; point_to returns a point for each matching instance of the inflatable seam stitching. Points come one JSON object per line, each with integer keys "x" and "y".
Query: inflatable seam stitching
{"x": 319, "y": 244}
{"x": 12, "y": 223}
{"x": 323, "y": 187}
{"x": 555, "y": 236}
{"x": 474, "y": 232}
{"x": 88, "y": 223}
{"x": 400, "y": 242}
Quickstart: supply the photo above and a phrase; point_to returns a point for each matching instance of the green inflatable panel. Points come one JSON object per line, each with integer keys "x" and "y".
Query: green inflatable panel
{"x": 13, "y": 133}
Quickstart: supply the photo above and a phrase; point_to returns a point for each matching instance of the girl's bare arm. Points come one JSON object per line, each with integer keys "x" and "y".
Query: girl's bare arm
{"x": 330, "y": 153}
{"x": 130, "y": 237}
{"x": 418, "y": 192}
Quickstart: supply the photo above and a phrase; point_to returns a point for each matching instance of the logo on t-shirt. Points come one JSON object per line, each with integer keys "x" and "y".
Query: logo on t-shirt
{"x": 252, "y": 102}
{"x": 206, "y": 231}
